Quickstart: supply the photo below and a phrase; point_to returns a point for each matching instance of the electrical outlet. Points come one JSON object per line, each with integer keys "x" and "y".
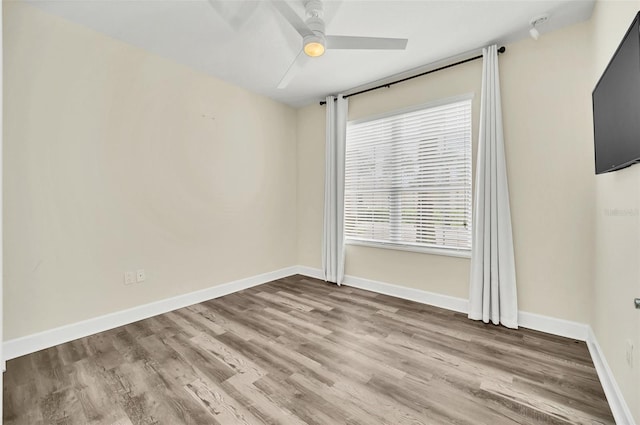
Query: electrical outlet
{"x": 629, "y": 353}
{"x": 129, "y": 278}
{"x": 140, "y": 276}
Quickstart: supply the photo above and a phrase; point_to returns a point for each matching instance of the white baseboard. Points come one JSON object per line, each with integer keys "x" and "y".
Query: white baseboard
{"x": 438, "y": 300}
{"x": 552, "y": 325}
{"x": 310, "y": 272}
{"x": 560, "y": 327}
{"x": 619, "y": 407}
{"x": 424, "y": 297}
{"x": 31, "y": 343}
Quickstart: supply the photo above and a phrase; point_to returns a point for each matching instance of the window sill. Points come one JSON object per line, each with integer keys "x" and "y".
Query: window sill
{"x": 398, "y": 247}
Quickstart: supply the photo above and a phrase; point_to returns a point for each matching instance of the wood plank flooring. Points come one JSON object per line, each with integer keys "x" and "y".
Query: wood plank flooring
{"x": 299, "y": 351}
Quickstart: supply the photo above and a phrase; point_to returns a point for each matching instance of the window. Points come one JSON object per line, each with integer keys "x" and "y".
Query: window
{"x": 408, "y": 179}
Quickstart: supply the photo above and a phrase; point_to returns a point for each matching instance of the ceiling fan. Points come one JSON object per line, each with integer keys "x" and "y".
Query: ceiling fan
{"x": 315, "y": 41}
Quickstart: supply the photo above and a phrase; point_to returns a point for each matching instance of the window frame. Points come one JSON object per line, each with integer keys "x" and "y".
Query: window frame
{"x": 404, "y": 246}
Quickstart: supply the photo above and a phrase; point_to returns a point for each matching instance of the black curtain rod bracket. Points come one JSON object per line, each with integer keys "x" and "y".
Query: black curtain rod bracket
{"x": 387, "y": 85}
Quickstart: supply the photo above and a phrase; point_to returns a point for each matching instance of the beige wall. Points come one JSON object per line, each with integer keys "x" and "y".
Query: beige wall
{"x": 617, "y": 266}
{"x": 546, "y": 99}
{"x": 546, "y": 121}
{"x": 310, "y": 186}
{"x": 116, "y": 159}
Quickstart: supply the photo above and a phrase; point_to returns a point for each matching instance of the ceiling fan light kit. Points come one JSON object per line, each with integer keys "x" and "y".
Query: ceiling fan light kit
{"x": 314, "y": 43}
{"x": 314, "y": 46}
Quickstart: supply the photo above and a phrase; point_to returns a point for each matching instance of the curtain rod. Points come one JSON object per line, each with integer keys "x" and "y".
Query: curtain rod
{"x": 387, "y": 85}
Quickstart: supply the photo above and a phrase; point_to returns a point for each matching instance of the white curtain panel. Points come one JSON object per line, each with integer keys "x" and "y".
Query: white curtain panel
{"x": 333, "y": 235}
{"x": 492, "y": 294}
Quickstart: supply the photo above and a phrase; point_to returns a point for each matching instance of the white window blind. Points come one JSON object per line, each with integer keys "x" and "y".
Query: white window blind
{"x": 408, "y": 178}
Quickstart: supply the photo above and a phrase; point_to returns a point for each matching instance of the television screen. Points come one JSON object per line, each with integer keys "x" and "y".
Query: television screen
{"x": 616, "y": 107}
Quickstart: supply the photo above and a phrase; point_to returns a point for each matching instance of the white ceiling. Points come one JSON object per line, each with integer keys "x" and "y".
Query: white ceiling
{"x": 249, "y": 44}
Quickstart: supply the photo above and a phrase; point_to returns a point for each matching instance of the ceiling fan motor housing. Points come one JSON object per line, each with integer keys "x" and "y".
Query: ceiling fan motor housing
{"x": 316, "y": 25}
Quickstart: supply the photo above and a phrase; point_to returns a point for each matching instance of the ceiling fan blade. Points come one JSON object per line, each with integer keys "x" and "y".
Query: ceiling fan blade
{"x": 292, "y": 17}
{"x": 348, "y": 42}
{"x": 294, "y": 69}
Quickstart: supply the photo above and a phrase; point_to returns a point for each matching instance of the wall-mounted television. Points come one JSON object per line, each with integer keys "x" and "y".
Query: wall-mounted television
{"x": 616, "y": 106}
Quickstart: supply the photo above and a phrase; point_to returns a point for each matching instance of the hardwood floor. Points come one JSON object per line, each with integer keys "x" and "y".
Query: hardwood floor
{"x": 299, "y": 351}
